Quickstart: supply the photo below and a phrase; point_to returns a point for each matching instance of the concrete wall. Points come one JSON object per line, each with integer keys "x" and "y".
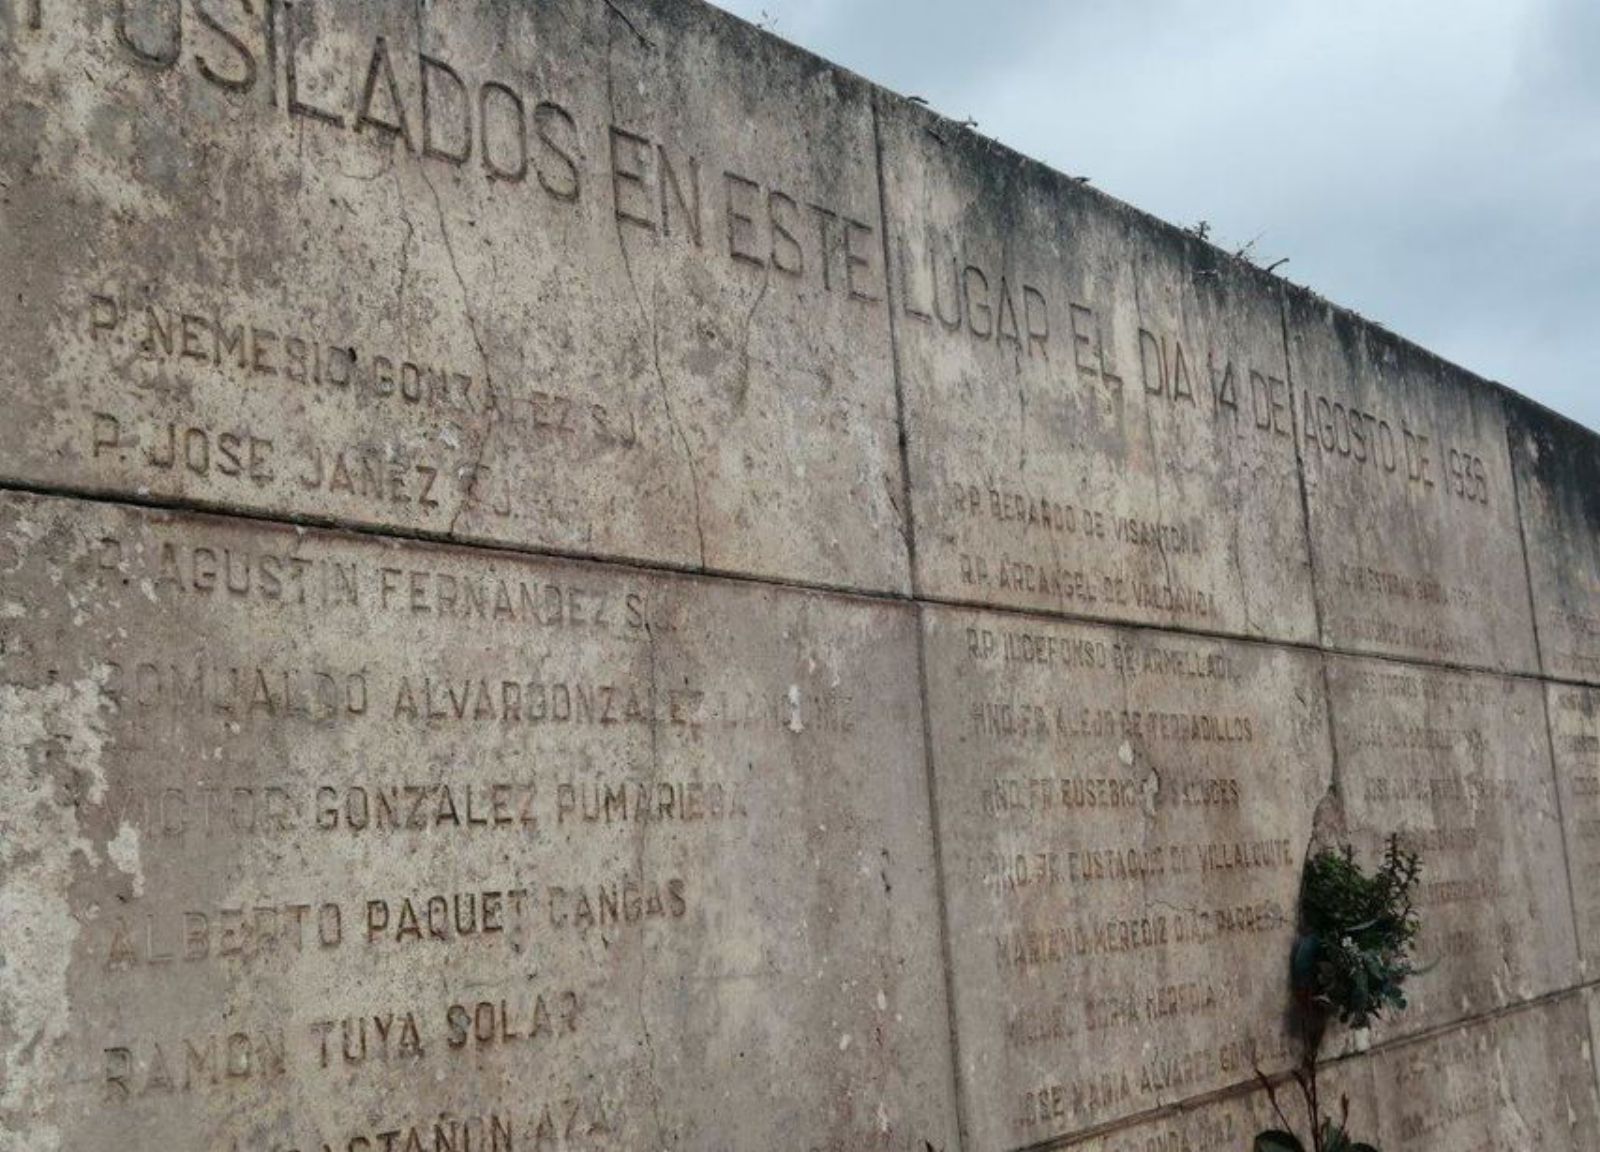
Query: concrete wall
{"x": 577, "y": 577}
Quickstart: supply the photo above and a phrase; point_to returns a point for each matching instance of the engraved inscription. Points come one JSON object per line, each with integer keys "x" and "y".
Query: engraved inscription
{"x": 1459, "y": 766}
{"x": 1099, "y": 416}
{"x": 1123, "y": 816}
{"x": 367, "y": 837}
{"x": 1412, "y": 515}
{"x": 488, "y": 275}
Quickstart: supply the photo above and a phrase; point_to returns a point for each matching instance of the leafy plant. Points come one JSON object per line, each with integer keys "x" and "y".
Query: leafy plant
{"x": 1351, "y": 961}
{"x": 1333, "y": 1140}
{"x": 1353, "y": 955}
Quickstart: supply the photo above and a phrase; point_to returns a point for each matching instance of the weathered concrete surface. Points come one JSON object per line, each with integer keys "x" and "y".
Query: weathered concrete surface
{"x": 597, "y": 278}
{"x": 1591, "y": 999}
{"x": 1230, "y": 1124}
{"x": 1575, "y": 736}
{"x": 1558, "y": 483}
{"x": 1097, "y": 407}
{"x": 629, "y": 280}
{"x": 1123, "y": 816}
{"x": 1459, "y": 766}
{"x": 310, "y": 838}
{"x": 1412, "y": 511}
{"x": 1519, "y": 1082}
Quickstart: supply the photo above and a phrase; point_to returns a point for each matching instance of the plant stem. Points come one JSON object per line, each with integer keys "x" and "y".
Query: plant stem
{"x": 1308, "y": 1083}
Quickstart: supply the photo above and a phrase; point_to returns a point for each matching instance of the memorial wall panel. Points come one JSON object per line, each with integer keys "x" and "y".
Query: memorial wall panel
{"x": 1575, "y": 731}
{"x": 1097, "y": 412}
{"x": 313, "y": 838}
{"x": 1558, "y": 485}
{"x": 1458, "y": 766}
{"x": 1231, "y": 1123}
{"x": 564, "y": 275}
{"x": 1591, "y": 998}
{"x": 1123, "y": 815}
{"x": 1520, "y": 1082}
{"x": 1413, "y": 516}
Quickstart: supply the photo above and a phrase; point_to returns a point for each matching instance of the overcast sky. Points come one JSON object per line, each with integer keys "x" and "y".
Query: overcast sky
{"x": 1433, "y": 164}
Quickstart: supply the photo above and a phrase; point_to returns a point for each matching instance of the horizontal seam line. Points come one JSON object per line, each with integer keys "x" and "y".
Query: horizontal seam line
{"x": 338, "y": 525}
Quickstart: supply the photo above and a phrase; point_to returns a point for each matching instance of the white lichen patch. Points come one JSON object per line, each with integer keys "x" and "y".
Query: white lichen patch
{"x": 796, "y": 724}
{"x": 1515, "y": 1128}
{"x": 123, "y": 852}
{"x": 50, "y": 746}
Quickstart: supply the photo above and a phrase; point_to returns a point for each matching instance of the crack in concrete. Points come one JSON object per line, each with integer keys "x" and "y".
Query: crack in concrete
{"x": 493, "y": 416}
{"x": 749, "y": 320}
{"x": 389, "y": 166}
{"x": 1148, "y": 795}
{"x": 902, "y": 524}
{"x": 405, "y": 249}
{"x": 1022, "y": 383}
{"x": 666, "y": 400}
{"x": 1022, "y": 421}
{"x": 455, "y": 266}
{"x": 648, "y": 317}
{"x": 639, "y": 846}
{"x": 1157, "y": 464}
{"x": 632, "y": 27}
{"x": 1238, "y": 569}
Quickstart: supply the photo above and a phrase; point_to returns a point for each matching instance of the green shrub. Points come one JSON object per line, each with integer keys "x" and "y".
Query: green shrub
{"x": 1353, "y": 956}
{"x": 1351, "y": 961}
{"x": 1333, "y": 1140}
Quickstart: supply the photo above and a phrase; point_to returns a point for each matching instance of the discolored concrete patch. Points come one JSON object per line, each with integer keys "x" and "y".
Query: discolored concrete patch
{"x": 1411, "y": 504}
{"x": 595, "y": 278}
{"x": 324, "y": 837}
{"x": 1558, "y": 478}
{"x": 1097, "y": 405}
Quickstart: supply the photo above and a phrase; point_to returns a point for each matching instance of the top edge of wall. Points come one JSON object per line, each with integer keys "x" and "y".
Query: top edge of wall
{"x": 1005, "y": 153}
